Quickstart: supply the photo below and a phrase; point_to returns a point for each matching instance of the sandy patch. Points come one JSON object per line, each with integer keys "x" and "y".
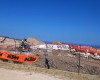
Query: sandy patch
{"x": 6, "y": 74}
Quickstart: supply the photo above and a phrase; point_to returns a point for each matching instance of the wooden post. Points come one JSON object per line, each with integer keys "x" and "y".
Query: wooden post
{"x": 79, "y": 56}
{"x": 15, "y": 45}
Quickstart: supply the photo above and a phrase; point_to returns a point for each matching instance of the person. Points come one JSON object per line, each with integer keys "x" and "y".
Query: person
{"x": 22, "y": 44}
{"x": 25, "y": 45}
{"x": 47, "y": 63}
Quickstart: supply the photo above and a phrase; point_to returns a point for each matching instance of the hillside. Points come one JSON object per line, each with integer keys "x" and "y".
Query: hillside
{"x": 62, "y": 60}
{"x": 10, "y": 43}
{"x": 34, "y": 41}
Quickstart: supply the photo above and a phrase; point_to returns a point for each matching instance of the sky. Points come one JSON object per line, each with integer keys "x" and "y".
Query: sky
{"x": 70, "y": 21}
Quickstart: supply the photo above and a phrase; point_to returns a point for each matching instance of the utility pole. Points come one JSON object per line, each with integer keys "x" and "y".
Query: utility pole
{"x": 79, "y": 58}
{"x": 15, "y": 45}
{"x": 46, "y": 50}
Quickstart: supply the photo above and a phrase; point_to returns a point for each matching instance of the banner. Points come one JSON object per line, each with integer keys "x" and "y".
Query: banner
{"x": 18, "y": 57}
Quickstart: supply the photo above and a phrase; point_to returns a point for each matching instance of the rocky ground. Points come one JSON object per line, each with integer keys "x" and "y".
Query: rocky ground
{"x": 61, "y": 60}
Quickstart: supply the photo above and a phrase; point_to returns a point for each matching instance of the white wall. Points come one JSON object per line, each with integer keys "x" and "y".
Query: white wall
{"x": 61, "y": 47}
{"x": 51, "y": 46}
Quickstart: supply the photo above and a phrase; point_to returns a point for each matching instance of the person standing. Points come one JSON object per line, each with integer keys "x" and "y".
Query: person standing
{"x": 47, "y": 63}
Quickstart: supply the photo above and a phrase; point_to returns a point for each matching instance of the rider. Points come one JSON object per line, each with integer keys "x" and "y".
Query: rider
{"x": 24, "y": 44}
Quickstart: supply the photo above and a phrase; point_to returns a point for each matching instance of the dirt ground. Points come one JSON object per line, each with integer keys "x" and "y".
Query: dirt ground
{"x": 63, "y": 61}
{"x": 6, "y": 74}
{"x": 59, "y": 60}
{"x": 12, "y": 71}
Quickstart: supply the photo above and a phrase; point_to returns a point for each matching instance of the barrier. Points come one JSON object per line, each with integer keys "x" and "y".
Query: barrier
{"x": 19, "y": 57}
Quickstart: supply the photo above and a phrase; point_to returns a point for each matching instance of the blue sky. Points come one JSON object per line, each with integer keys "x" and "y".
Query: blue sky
{"x": 71, "y": 21}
